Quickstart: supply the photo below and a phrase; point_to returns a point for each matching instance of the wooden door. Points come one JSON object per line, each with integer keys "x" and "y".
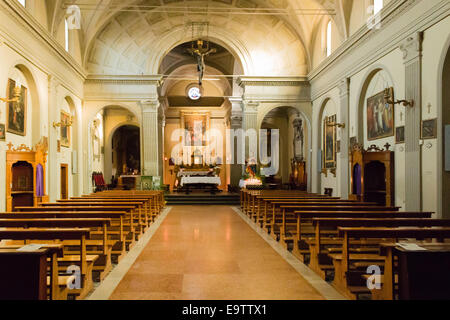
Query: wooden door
{"x": 64, "y": 182}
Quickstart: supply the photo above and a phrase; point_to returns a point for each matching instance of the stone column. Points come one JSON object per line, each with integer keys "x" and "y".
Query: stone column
{"x": 250, "y": 121}
{"x": 150, "y": 166}
{"x": 161, "y": 127}
{"x": 53, "y": 171}
{"x": 344, "y": 101}
{"x": 412, "y": 58}
{"x": 236, "y": 169}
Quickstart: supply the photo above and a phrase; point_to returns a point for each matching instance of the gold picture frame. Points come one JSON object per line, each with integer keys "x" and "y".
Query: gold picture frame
{"x": 329, "y": 143}
{"x": 16, "y": 112}
{"x": 380, "y": 116}
{"x": 65, "y": 130}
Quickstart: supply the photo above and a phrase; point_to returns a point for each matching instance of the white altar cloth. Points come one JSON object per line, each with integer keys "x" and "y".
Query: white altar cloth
{"x": 200, "y": 180}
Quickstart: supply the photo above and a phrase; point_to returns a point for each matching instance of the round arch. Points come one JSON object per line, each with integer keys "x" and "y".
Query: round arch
{"x": 361, "y": 98}
{"x": 27, "y": 72}
{"x": 305, "y": 116}
{"x": 318, "y": 133}
{"x": 109, "y": 146}
{"x": 221, "y": 37}
{"x": 443, "y": 116}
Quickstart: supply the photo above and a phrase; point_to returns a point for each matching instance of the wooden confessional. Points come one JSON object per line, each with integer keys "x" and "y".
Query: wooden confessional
{"x": 298, "y": 178}
{"x": 25, "y": 176}
{"x": 372, "y": 175}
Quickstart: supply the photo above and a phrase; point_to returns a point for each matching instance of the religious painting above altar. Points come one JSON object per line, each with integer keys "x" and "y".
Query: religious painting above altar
{"x": 195, "y": 126}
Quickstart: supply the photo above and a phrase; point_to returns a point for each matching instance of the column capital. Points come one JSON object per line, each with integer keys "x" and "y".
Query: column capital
{"x": 250, "y": 106}
{"x": 411, "y": 47}
{"x": 236, "y": 120}
{"x": 344, "y": 87}
{"x": 150, "y": 105}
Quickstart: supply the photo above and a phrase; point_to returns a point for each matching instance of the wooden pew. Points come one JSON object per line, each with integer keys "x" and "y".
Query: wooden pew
{"x": 273, "y": 204}
{"x": 144, "y": 204}
{"x": 265, "y": 204}
{"x": 288, "y": 219}
{"x": 102, "y": 248}
{"x": 410, "y": 268}
{"x": 157, "y": 196}
{"x": 116, "y": 231}
{"x": 155, "y": 202}
{"x": 319, "y": 242}
{"x": 128, "y": 221}
{"x": 343, "y": 274}
{"x": 84, "y": 261}
{"x": 136, "y": 210}
{"x": 304, "y": 229}
{"x": 19, "y": 278}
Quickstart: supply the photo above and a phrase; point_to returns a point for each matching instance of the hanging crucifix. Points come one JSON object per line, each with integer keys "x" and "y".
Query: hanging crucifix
{"x": 201, "y": 52}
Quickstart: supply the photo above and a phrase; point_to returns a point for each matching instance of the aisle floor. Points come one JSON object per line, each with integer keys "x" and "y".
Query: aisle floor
{"x": 210, "y": 252}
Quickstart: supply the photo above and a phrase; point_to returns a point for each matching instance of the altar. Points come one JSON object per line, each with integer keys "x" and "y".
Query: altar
{"x": 198, "y": 177}
{"x": 128, "y": 182}
{"x": 212, "y": 183}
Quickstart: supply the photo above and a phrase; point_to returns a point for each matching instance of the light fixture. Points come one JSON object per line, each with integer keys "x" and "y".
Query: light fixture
{"x": 65, "y": 123}
{"x": 17, "y": 94}
{"x": 387, "y": 99}
{"x": 335, "y": 124}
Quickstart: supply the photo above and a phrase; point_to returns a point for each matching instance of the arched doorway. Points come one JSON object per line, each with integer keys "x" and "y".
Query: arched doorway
{"x": 293, "y": 145}
{"x": 126, "y": 151}
{"x": 446, "y": 141}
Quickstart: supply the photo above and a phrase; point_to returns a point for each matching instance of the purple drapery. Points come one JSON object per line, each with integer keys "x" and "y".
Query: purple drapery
{"x": 357, "y": 179}
{"x": 39, "y": 181}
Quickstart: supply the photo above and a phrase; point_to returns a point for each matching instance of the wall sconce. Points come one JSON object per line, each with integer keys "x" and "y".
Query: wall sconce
{"x": 65, "y": 123}
{"x": 387, "y": 99}
{"x": 335, "y": 124}
{"x": 17, "y": 94}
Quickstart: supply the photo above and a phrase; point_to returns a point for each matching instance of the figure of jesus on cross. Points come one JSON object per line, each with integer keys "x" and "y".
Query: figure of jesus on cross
{"x": 201, "y": 52}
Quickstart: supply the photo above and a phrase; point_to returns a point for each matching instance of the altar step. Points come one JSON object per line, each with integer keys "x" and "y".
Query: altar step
{"x": 199, "y": 199}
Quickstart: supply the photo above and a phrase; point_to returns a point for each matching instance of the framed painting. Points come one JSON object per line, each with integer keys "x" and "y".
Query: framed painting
{"x": 195, "y": 126}
{"x": 380, "y": 116}
{"x": 16, "y": 112}
{"x": 400, "y": 135}
{"x": 65, "y": 130}
{"x": 2, "y": 132}
{"x": 329, "y": 143}
{"x": 429, "y": 129}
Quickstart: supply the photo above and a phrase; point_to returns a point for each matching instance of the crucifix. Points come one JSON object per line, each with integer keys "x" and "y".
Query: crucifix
{"x": 201, "y": 52}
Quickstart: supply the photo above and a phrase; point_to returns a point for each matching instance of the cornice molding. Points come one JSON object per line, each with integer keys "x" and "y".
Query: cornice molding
{"x": 272, "y": 81}
{"x": 391, "y": 42}
{"x": 125, "y": 79}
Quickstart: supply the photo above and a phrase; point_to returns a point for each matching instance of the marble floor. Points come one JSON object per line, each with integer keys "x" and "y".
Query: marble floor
{"x": 210, "y": 253}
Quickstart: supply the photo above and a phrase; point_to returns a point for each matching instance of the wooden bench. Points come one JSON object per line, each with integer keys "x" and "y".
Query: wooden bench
{"x": 84, "y": 261}
{"x": 116, "y": 231}
{"x": 342, "y": 263}
{"x": 134, "y": 208}
{"x": 102, "y": 247}
{"x": 20, "y": 279}
{"x": 320, "y": 244}
{"x": 144, "y": 204}
{"x": 280, "y": 227}
{"x": 407, "y": 277}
